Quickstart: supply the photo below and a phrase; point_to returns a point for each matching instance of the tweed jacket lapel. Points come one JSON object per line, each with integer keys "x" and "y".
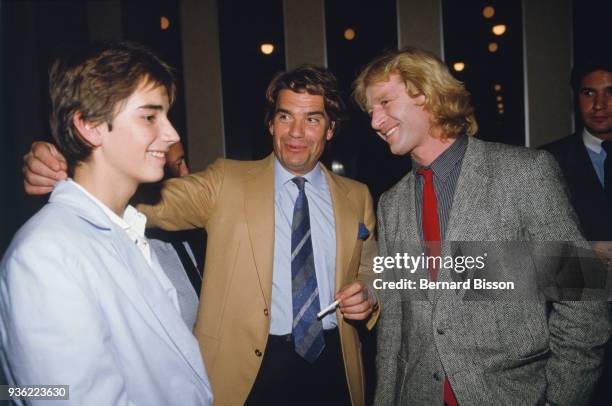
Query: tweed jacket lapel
{"x": 468, "y": 204}
{"x": 406, "y": 235}
{"x": 259, "y": 213}
{"x": 409, "y": 231}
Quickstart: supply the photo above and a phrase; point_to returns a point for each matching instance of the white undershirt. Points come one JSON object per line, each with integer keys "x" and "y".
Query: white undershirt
{"x": 592, "y": 142}
{"x": 133, "y": 223}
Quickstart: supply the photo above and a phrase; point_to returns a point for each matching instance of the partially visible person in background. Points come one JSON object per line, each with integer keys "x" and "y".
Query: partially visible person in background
{"x": 180, "y": 253}
{"x": 585, "y": 158}
{"x": 84, "y": 300}
{"x": 176, "y": 166}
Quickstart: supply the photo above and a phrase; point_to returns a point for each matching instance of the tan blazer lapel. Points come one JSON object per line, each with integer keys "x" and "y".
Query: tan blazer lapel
{"x": 259, "y": 210}
{"x": 347, "y": 226}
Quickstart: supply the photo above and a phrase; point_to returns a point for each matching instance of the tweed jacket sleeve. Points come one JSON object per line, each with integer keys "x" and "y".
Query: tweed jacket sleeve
{"x": 578, "y": 330}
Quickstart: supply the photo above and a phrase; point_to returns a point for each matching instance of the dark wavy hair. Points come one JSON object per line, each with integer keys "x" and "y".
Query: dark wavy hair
{"x": 312, "y": 80}
{"x": 589, "y": 65}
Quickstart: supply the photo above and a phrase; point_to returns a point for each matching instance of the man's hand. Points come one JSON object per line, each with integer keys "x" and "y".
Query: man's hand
{"x": 357, "y": 302}
{"x": 42, "y": 168}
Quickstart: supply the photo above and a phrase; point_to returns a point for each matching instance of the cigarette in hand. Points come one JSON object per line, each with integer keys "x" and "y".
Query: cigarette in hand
{"x": 328, "y": 309}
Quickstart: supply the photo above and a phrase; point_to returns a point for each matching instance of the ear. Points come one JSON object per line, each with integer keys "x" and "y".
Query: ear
{"x": 90, "y": 132}
{"x": 419, "y": 100}
{"x": 271, "y": 128}
{"x": 330, "y": 131}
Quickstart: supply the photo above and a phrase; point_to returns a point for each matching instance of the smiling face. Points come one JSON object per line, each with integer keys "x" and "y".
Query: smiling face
{"x": 399, "y": 119}
{"x": 134, "y": 150}
{"x": 300, "y": 128}
{"x": 594, "y": 99}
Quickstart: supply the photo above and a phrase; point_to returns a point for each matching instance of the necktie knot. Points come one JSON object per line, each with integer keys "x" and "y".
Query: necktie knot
{"x": 426, "y": 173}
{"x": 300, "y": 182}
{"x": 607, "y": 146}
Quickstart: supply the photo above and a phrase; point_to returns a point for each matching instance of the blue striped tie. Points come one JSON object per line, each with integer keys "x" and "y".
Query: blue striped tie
{"x": 307, "y": 329}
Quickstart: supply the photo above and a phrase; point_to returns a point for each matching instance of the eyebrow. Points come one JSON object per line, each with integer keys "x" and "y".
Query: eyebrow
{"x": 310, "y": 113}
{"x": 151, "y": 107}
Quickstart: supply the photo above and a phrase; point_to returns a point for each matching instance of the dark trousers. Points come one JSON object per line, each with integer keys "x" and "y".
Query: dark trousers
{"x": 285, "y": 378}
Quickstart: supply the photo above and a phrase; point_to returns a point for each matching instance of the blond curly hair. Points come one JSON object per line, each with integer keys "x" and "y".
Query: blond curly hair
{"x": 424, "y": 74}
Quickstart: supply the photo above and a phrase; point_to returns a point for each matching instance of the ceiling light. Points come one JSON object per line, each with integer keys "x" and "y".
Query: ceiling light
{"x": 499, "y": 29}
{"x": 164, "y": 23}
{"x": 267, "y": 49}
{"x": 349, "y": 34}
{"x": 488, "y": 12}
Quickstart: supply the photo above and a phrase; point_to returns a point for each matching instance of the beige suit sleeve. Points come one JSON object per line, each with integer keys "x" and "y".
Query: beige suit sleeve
{"x": 187, "y": 202}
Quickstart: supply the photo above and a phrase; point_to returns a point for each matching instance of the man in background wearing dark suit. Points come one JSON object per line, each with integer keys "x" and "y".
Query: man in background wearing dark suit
{"x": 582, "y": 155}
{"x": 587, "y": 167}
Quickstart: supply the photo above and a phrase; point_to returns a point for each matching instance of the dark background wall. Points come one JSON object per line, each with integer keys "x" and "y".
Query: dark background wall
{"x": 230, "y": 32}
{"x": 32, "y": 31}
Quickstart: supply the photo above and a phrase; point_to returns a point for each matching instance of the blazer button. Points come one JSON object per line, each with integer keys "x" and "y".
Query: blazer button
{"x": 258, "y": 353}
{"x": 266, "y": 312}
{"x": 440, "y": 331}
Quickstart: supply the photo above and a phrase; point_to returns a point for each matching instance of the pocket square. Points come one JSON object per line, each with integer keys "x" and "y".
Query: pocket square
{"x": 363, "y": 232}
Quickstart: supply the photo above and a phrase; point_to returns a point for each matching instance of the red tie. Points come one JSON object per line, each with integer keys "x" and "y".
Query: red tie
{"x": 431, "y": 222}
{"x": 431, "y": 234}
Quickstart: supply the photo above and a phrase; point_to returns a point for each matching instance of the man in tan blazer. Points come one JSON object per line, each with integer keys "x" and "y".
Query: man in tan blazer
{"x": 245, "y": 323}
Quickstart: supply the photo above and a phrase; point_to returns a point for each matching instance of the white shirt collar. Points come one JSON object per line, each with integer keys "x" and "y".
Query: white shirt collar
{"x": 132, "y": 220}
{"x": 315, "y": 177}
{"x": 591, "y": 142}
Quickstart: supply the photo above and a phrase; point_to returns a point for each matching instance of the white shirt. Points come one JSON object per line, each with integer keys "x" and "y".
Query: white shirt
{"x": 133, "y": 223}
{"x": 596, "y": 153}
{"x": 591, "y": 142}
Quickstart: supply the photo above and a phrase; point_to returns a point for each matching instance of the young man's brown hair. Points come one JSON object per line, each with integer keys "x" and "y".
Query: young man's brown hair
{"x": 93, "y": 83}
